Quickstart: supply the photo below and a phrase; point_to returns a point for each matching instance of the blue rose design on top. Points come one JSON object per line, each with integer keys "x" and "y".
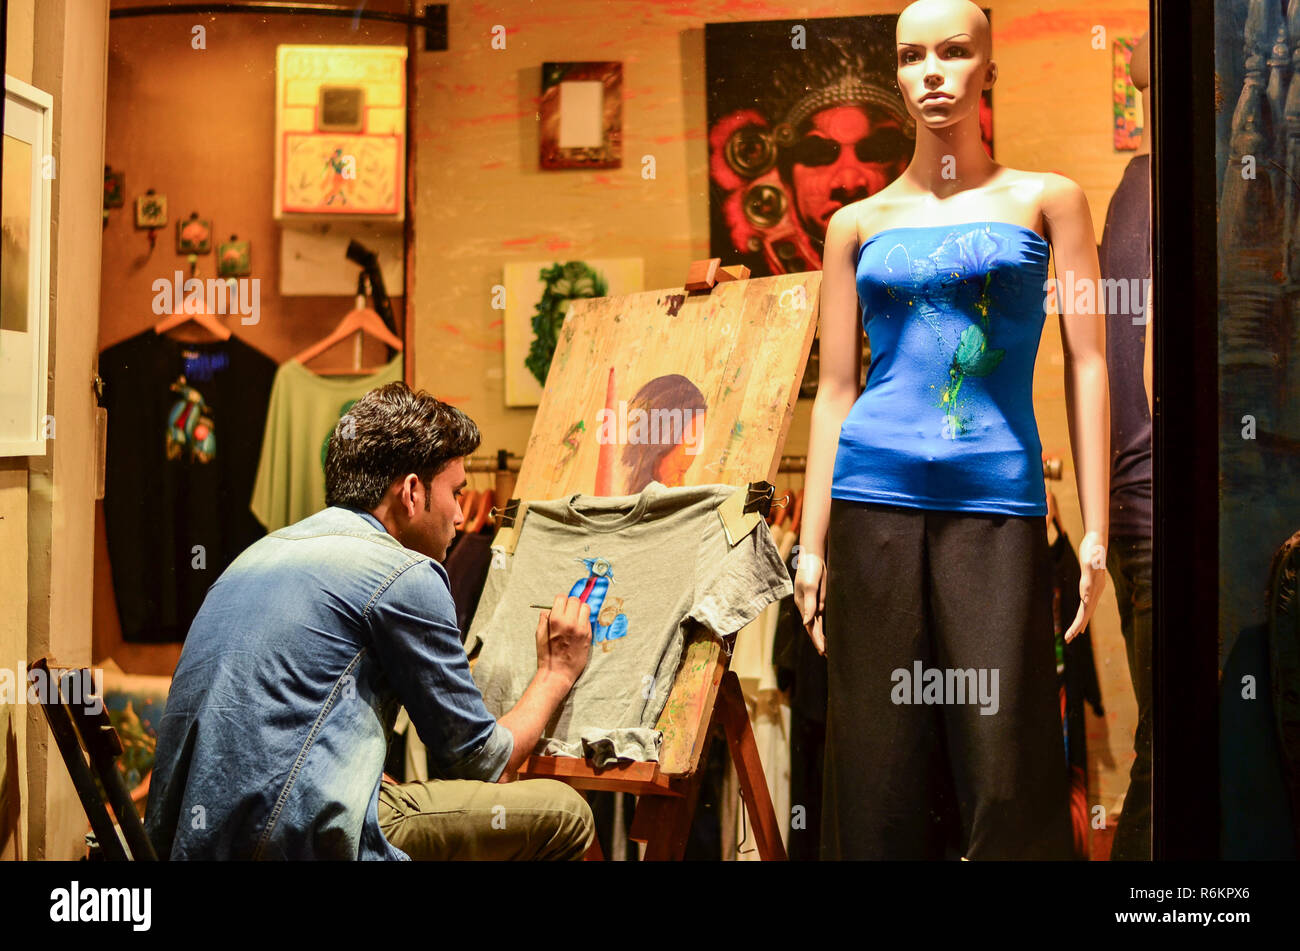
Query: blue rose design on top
{"x": 958, "y": 276}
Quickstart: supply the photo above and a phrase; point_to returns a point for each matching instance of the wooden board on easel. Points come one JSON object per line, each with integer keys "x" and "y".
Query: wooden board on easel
{"x": 733, "y": 355}
{"x": 739, "y": 349}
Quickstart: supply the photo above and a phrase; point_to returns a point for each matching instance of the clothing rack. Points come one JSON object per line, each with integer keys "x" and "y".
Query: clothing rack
{"x": 503, "y": 461}
{"x": 505, "y": 466}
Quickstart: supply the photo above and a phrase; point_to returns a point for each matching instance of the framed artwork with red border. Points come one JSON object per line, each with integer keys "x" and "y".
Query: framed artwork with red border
{"x": 581, "y": 115}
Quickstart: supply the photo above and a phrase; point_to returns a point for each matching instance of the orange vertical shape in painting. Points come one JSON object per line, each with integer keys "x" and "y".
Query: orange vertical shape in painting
{"x": 605, "y": 459}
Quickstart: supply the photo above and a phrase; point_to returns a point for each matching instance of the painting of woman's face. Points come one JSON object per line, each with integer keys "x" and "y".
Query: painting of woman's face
{"x": 672, "y": 467}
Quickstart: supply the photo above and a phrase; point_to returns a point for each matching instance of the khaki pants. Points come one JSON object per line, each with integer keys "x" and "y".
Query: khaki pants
{"x": 459, "y": 819}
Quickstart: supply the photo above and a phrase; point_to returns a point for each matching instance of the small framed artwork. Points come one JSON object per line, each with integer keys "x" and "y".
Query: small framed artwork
{"x": 194, "y": 235}
{"x": 114, "y": 188}
{"x": 581, "y": 115}
{"x": 1126, "y": 100}
{"x": 151, "y": 210}
{"x": 341, "y": 109}
{"x": 341, "y": 174}
{"x": 232, "y": 258}
{"x": 340, "y": 133}
{"x": 25, "y": 269}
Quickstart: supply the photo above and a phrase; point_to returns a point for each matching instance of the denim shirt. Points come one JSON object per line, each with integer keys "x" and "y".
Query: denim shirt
{"x": 273, "y": 740}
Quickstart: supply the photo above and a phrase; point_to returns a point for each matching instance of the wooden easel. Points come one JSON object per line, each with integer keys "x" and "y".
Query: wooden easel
{"x": 705, "y": 697}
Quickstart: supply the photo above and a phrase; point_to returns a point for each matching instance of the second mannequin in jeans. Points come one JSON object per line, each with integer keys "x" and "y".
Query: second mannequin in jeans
{"x": 1129, "y": 564}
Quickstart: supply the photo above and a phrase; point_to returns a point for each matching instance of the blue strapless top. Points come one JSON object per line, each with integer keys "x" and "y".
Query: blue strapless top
{"x": 954, "y": 314}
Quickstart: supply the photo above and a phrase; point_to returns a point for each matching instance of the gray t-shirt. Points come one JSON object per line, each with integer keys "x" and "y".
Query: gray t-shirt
{"x": 646, "y": 563}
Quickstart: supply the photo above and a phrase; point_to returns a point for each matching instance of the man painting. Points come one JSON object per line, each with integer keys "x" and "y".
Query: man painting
{"x": 273, "y": 741}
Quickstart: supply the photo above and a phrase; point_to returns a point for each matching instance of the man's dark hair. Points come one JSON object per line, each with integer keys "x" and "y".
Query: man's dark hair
{"x": 387, "y": 434}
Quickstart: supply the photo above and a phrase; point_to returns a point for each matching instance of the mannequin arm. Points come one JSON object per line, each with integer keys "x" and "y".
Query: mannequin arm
{"x": 1087, "y": 394}
{"x": 837, "y": 390}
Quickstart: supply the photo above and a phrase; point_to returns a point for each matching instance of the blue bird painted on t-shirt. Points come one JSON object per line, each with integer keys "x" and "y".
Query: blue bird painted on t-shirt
{"x": 592, "y": 591}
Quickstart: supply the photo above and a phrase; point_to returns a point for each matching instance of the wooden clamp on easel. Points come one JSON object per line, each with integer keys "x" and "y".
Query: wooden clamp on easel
{"x": 704, "y": 274}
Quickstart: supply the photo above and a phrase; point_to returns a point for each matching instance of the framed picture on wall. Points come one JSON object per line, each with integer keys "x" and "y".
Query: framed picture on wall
{"x": 581, "y": 115}
{"x": 194, "y": 235}
{"x": 25, "y": 269}
{"x": 1127, "y": 111}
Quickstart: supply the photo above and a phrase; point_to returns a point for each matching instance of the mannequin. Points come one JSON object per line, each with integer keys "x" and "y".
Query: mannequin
{"x": 904, "y": 566}
{"x": 1140, "y": 70}
{"x": 1126, "y": 255}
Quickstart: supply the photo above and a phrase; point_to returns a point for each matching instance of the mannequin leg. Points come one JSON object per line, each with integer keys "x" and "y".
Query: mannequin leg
{"x": 886, "y": 785}
{"x": 1129, "y": 563}
{"x": 992, "y": 612}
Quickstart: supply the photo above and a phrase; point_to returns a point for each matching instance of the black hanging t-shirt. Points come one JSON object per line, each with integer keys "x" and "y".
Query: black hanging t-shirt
{"x": 1125, "y": 255}
{"x": 466, "y": 565}
{"x": 185, "y": 423}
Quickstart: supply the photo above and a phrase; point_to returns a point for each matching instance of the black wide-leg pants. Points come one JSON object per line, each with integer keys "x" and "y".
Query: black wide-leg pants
{"x": 953, "y": 590}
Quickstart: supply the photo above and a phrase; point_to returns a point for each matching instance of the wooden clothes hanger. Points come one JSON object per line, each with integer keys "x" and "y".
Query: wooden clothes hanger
{"x": 199, "y": 316}
{"x": 486, "y": 501}
{"x": 466, "y": 500}
{"x": 476, "y": 507}
{"x": 360, "y": 320}
{"x": 1054, "y": 516}
{"x": 796, "y": 514}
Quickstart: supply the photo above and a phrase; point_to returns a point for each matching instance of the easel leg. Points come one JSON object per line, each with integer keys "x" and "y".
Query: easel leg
{"x": 663, "y": 823}
{"x": 734, "y": 712}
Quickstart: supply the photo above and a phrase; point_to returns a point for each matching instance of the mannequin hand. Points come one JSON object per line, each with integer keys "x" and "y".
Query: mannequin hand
{"x": 810, "y": 596}
{"x": 1092, "y": 581}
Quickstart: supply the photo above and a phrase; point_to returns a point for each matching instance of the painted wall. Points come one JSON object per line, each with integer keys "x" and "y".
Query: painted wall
{"x": 197, "y": 126}
{"x": 46, "y": 503}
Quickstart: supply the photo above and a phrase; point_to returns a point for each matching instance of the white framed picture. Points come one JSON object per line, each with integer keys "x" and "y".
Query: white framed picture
{"x": 28, "y": 169}
{"x": 537, "y": 298}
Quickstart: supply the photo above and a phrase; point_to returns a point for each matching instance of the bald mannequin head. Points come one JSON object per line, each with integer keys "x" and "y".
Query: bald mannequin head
{"x": 957, "y": 16}
{"x": 945, "y": 61}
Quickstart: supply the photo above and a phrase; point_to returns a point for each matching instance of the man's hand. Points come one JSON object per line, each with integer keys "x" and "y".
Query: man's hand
{"x": 564, "y": 639}
{"x": 563, "y": 646}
